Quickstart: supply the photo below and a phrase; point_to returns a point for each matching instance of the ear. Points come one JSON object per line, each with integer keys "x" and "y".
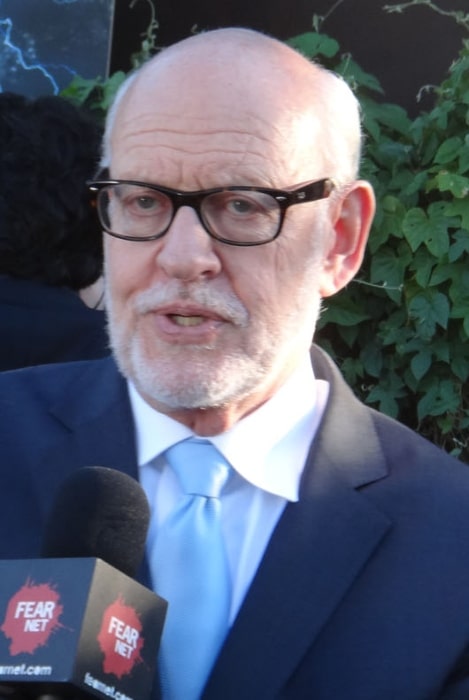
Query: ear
{"x": 351, "y": 218}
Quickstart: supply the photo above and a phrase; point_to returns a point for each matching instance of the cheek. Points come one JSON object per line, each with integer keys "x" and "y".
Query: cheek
{"x": 297, "y": 275}
{"x": 124, "y": 267}
{"x": 258, "y": 280}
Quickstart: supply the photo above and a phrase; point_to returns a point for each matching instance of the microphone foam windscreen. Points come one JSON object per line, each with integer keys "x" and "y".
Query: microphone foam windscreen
{"x": 99, "y": 512}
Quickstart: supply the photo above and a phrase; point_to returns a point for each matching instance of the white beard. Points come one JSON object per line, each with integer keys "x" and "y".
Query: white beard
{"x": 201, "y": 376}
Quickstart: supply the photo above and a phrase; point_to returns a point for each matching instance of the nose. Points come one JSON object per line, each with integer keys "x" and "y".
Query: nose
{"x": 186, "y": 251}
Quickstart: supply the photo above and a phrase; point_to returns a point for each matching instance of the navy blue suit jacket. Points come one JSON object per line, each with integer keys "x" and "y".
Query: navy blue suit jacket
{"x": 363, "y": 591}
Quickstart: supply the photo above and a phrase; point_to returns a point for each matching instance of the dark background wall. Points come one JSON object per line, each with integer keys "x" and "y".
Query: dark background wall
{"x": 405, "y": 51}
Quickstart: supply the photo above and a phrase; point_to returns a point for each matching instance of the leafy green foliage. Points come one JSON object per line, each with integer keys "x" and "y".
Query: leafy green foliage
{"x": 97, "y": 94}
{"x": 400, "y": 332}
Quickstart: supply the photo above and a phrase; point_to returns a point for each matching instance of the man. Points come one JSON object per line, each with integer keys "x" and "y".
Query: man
{"x": 345, "y": 533}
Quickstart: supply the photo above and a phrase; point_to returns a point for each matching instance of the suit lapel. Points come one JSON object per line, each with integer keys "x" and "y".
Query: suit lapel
{"x": 96, "y": 411}
{"x": 92, "y": 427}
{"x": 97, "y": 430}
{"x": 319, "y": 547}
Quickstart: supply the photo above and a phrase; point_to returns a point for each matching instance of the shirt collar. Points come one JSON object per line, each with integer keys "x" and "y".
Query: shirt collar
{"x": 267, "y": 447}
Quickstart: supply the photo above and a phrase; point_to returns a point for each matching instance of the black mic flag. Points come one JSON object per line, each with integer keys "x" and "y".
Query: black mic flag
{"x": 75, "y": 625}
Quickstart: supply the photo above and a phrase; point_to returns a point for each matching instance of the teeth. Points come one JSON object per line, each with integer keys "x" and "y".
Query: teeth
{"x": 186, "y": 320}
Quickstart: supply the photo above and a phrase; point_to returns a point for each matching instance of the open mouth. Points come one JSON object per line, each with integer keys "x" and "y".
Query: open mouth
{"x": 186, "y": 320}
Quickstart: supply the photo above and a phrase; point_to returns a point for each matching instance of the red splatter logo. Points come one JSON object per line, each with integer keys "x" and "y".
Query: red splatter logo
{"x": 120, "y": 638}
{"x": 32, "y": 615}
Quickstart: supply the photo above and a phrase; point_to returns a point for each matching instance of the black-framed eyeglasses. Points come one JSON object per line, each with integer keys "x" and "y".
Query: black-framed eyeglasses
{"x": 242, "y": 216}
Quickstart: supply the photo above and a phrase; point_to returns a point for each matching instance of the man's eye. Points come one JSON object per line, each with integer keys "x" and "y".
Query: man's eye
{"x": 145, "y": 202}
{"x": 138, "y": 203}
{"x": 238, "y": 205}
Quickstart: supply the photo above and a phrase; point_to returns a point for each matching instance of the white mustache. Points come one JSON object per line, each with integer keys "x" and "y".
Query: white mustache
{"x": 224, "y": 304}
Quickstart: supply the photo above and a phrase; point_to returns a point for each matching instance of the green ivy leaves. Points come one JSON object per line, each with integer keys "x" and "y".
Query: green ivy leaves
{"x": 401, "y": 332}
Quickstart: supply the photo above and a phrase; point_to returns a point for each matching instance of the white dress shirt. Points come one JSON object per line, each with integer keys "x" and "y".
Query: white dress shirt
{"x": 267, "y": 450}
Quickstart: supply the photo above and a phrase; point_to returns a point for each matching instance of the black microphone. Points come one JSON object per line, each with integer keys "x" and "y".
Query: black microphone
{"x": 99, "y": 512}
{"x": 74, "y": 623}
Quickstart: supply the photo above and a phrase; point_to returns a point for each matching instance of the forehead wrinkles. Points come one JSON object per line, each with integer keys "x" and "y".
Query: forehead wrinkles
{"x": 215, "y": 139}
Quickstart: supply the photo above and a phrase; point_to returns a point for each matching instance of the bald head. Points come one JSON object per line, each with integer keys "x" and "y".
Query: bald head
{"x": 254, "y": 82}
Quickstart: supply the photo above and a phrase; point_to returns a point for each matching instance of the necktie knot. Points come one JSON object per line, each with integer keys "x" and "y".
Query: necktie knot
{"x": 199, "y": 466}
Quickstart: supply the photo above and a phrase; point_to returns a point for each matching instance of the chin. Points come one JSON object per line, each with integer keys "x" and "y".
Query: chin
{"x": 196, "y": 378}
{"x": 198, "y": 386}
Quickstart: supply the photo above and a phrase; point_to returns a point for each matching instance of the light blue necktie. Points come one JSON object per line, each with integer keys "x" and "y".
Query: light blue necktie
{"x": 191, "y": 571}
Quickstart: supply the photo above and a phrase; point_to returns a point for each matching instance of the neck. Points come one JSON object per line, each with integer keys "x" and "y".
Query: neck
{"x": 215, "y": 420}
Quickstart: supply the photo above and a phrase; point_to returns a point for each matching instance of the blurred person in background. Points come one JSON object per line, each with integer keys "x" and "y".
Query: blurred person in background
{"x": 50, "y": 239}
